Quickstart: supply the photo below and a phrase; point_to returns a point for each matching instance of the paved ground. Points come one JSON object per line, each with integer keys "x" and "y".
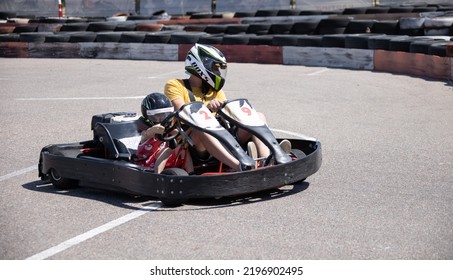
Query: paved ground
{"x": 384, "y": 191}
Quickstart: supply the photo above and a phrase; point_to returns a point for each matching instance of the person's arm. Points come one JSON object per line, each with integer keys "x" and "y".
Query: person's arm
{"x": 177, "y": 103}
{"x": 151, "y": 132}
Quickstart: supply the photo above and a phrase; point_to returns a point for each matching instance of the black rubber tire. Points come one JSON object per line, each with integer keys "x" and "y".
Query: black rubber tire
{"x": 77, "y": 37}
{"x": 299, "y": 155}
{"x": 25, "y": 28}
{"x": 215, "y": 29}
{"x": 195, "y": 28}
{"x": 113, "y": 37}
{"x": 238, "y": 39}
{"x": 11, "y": 37}
{"x": 162, "y": 37}
{"x": 400, "y": 10}
{"x": 288, "y": 13}
{"x": 266, "y": 13}
{"x": 244, "y": 14}
{"x": 6, "y": 15}
{"x": 280, "y": 28}
{"x": 34, "y": 37}
{"x": 53, "y": 20}
{"x": 60, "y": 182}
{"x": 334, "y": 40}
{"x": 150, "y": 27}
{"x": 236, "y": 28}
{"x": 354, "y": 11}
{"x": 412, "y": 32}
{"x": 359, "y": 26}
{"x": 57, "y": 38}
{"x": 310, "y": 13}
{"x": 424, "y": 9}
{"x": 132, "y": 37}
{"x": 101, "y": 26}
{"x": 211, "y": 39}
{"x": 305, "y": 27}
{"x": 310, "y": 41}
{"x": 258, "y": 28}
{"x": 422, "y": 46}
{"x": 358, "y": 41}
{"x": 377, "y": 10}
{"x": 201, "y": 15}
{"x": 73, "y": 27}
{"x": 439, "y": 49}
{"x": 261, "y": 40}
{"x": 402, "y": 44}
{"x": 185, "y": 37}
{"x": 285, "y": 40}
{"x": 126, "y": 26}
{"x": 381, "y": 42}
{"x": 390, "y": 27}
{"x": 173, "y": 202}
{"x": 332, "y": 26}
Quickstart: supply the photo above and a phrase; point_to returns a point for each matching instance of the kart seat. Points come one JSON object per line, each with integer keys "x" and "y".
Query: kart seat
{"x": 120, "y": 140}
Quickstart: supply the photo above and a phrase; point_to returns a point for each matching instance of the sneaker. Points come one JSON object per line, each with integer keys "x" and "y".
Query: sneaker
{"x": 286, "y": 146}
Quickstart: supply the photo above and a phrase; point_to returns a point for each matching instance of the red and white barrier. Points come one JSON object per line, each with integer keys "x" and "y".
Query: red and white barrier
{"x": 60, "y": 9}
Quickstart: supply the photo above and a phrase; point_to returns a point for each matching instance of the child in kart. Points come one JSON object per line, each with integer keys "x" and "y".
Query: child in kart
{"x": 152, "y": 152}
{"x": 207, "y": 68}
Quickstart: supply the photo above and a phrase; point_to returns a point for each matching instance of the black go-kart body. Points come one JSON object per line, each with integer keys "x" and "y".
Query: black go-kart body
{"x": 107, "y": 162}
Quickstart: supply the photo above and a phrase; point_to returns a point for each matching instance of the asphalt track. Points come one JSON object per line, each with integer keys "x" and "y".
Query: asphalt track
{"x": 384, "y": 191}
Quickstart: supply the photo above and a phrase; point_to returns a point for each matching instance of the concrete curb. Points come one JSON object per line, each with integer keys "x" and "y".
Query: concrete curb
{"x": 413, "y": 64}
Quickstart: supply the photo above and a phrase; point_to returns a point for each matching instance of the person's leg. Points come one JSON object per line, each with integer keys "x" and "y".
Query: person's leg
{"x": 162, "y": 158}
{"x": 245, "y": 136}
{"x": 188, "y": 166}
{"x": 205, "y": 142}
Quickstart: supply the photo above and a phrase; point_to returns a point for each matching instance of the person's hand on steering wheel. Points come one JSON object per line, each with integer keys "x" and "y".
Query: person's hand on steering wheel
{"x": 214, "y": 105}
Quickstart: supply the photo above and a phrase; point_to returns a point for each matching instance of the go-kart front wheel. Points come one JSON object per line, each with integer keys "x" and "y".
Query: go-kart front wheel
{"x": 60, "y": 182}
{"x": 298, "y": 154}
{"x": 173, "y": 202}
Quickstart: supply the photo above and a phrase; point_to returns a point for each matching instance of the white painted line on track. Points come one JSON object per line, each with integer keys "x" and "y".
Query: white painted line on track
{"x": 80, "y": 98}
{"x": 302, "y": 136}
{"x": 318, "y": 72}
{"x": 18, "y": 172}
{"x": 92, "y": 233}
{"x": 163, "y": 75}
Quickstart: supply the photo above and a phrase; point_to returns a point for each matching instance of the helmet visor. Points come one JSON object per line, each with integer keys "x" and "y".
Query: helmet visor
{"x": 158, "y": 115}
{"x": 214, "y": 66}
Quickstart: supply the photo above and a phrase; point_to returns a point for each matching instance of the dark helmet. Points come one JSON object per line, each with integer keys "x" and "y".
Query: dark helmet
{"x": 208, "y": 63}
{"x": 156, "y": 107}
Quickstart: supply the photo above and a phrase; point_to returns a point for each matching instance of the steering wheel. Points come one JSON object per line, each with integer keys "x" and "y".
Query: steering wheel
{"x": 170, "y": 126}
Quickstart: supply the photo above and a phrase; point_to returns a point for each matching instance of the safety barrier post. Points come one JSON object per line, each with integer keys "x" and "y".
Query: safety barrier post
{"x": 60, "y": 9}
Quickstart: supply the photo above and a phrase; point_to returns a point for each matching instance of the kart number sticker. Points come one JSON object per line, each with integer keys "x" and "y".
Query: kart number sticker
{"x": 243, "y": 112}
{"x": 199, "y": 115}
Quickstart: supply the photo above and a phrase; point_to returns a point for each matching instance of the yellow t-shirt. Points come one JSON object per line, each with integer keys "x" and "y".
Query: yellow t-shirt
{"x": 175, "y": 89}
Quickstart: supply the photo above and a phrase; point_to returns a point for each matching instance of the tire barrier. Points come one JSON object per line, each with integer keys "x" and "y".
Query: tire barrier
{"x": 374, "y": 38}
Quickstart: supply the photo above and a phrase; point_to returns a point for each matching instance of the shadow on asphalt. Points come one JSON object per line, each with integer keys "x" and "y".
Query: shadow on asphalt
{"x": 124, "y": 200}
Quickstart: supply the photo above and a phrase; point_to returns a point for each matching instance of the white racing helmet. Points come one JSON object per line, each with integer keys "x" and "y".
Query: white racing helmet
{"x": 208, "y": 63}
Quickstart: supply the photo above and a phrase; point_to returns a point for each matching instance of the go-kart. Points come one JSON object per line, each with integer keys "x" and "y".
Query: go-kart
{"x": 109, "y": 162}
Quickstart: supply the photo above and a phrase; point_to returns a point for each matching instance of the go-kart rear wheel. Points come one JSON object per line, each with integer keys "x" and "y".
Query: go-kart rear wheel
{"x": 173, "y": 202}
{"x": 60, "y": 182}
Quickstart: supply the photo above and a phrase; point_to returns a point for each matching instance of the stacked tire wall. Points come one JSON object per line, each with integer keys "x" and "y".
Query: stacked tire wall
{"x": 411, "y": 40}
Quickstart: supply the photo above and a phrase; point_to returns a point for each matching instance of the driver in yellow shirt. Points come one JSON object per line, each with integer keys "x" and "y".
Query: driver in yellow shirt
{"x": 207, "y": 68}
